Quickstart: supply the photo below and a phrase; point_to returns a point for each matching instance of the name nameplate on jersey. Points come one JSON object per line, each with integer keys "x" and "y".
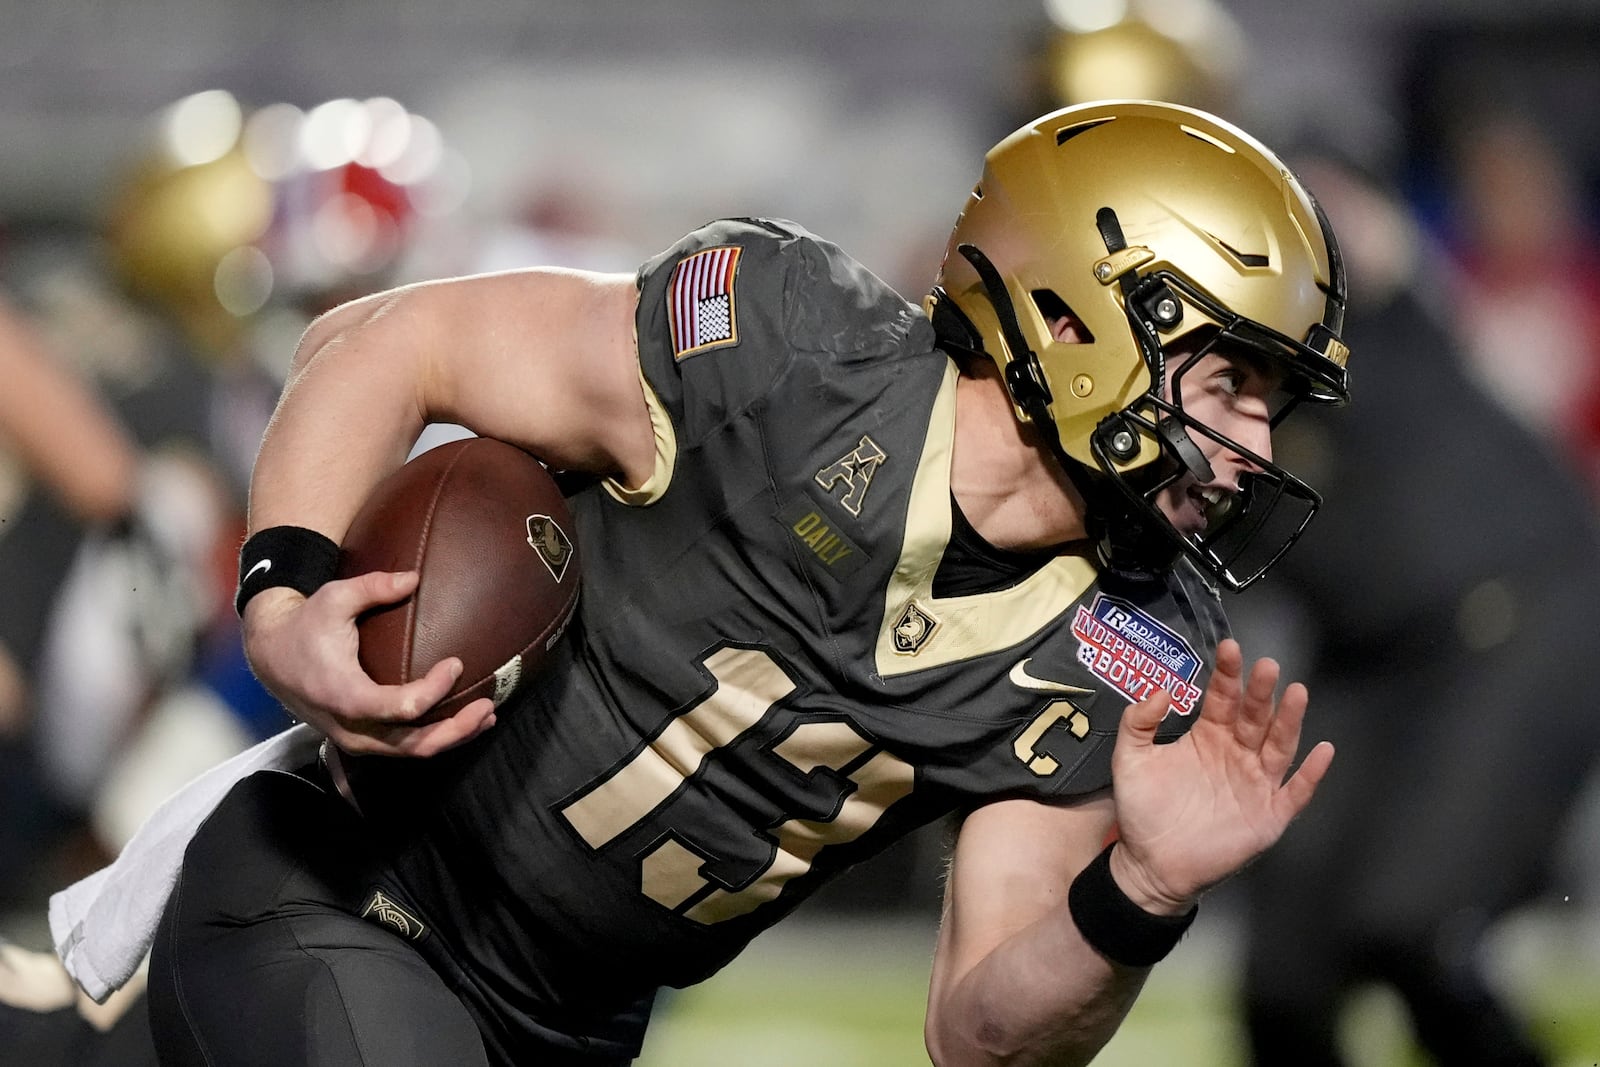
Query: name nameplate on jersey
{"x": 820, "y": 537}
{"x": 1136, "y": 654}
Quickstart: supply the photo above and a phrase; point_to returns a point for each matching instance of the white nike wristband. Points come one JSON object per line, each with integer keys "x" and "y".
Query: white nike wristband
{"x": 293, "y": 556}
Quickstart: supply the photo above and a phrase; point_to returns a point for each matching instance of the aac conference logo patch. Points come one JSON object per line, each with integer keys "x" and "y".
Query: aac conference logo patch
{"x": 1136, "y": 654}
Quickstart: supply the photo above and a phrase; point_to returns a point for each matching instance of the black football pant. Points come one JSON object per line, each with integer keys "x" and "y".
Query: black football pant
{"x": 262, "y": 957}
{"x": 274, "y": 950}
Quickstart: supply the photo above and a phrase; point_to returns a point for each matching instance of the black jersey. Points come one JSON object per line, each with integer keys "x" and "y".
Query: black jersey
{"x": 761, "y": 686}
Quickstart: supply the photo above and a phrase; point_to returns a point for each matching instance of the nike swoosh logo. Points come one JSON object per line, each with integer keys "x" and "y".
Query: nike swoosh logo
{"x": 1021, "y": 677}
{"x": 264, "y": 566}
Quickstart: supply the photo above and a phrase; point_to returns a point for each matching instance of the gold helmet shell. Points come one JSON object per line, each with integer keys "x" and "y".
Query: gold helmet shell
{"x": 172, "y": 226}
{"x": 1196, "y": 199}
{"x": 1142, "y": 222}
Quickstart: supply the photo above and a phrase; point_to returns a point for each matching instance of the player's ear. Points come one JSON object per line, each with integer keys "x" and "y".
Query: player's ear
{"x": 1065, "y": 326}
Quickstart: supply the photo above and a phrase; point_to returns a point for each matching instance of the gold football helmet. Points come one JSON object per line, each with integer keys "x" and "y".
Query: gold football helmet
{"x": 230, "y": 213}
{"x": 1145, "y": 222}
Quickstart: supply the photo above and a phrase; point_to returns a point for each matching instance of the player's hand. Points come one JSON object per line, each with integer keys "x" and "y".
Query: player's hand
{"x": 304, "y": 650}
{"x": 1193, "y": 812}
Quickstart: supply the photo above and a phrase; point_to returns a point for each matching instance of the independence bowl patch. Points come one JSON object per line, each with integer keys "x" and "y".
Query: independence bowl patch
{"x": 1135, "y": 654}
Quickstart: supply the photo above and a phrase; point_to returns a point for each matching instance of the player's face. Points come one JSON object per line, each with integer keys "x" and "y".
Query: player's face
{"x": 1229, "y": 390}
{"x": 1232, "y": 393}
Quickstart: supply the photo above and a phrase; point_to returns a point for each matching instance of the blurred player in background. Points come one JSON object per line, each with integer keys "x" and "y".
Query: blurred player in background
{"x": 1445, "y": 642}
{"x": 1030, "y": 489}
{"x": 1527, "y": 277}
{"x": 229, "y": 232}
{"x": 1184, "y": 51}
{"x": 57, "y": 433}
{"x": 1437, "y": 608}
{"x": 233, "y": 228}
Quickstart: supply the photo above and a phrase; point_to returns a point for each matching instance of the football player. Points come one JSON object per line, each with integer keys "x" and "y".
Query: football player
{"x": 1425, "y": 648}
{"x": 853, "y": 565}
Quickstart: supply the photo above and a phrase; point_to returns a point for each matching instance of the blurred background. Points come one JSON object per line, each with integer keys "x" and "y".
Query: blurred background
{"x": 183, "y": 183}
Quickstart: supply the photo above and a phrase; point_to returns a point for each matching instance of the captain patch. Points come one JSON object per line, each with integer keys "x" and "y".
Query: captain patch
{"x": 1135, "y": 654}
{"x": 700, "y": 301}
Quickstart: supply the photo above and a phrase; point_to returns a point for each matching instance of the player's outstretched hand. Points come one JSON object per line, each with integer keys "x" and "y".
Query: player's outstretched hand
{"x": 1193, "y": 812}
{"x": 304, "y": 650}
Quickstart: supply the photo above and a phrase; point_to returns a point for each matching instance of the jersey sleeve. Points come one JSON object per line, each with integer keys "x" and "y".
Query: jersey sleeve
{"x": 726, "y": 312}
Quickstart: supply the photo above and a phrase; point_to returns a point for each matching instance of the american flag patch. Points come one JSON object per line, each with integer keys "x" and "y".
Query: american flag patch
{"x": 700, "y": 301}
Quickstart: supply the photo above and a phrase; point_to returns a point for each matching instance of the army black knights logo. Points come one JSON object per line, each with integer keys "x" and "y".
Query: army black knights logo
{"x": 912, "y": 630}
{"x": 382, "y": 909}
{"x": 551, "y": 543}
{"x": 855, "y": 471}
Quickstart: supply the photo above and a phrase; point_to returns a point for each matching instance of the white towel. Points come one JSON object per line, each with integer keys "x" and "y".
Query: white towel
{"x": 103, "y": 925}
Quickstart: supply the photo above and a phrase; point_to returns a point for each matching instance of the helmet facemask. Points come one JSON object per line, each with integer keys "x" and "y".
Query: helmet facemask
{"x": 1246, "y": 531}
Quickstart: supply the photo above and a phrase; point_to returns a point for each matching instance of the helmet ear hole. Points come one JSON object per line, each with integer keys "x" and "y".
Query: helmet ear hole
{"x": 1065, "y": 325}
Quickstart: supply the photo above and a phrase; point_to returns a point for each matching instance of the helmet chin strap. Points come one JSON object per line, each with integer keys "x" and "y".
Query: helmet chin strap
{"x": 1024, "y": 376}
{"x": 1138, "y": 298}
{"x": 1172, "y": 431}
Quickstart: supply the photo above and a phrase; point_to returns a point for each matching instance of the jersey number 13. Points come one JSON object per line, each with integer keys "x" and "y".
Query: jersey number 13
{"x": 674, "y": 872}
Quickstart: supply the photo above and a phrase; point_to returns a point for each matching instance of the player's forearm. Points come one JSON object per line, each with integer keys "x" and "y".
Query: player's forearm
{"x": 61, "y": 431}
{"x": 1042, "y": 997}
{"x": 348, "y": 414}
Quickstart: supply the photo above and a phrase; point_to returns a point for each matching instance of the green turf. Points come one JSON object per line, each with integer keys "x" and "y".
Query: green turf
{"x": 853, "y": 996}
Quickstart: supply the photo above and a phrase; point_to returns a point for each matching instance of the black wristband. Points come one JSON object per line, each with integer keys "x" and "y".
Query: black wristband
{"x": 302, "y": 559}
{"x": 1115, "y": 926}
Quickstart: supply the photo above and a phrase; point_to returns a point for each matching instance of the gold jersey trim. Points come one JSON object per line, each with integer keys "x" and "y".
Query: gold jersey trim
{"x": 666, "y": 455}
{"x": 969, "y": 626}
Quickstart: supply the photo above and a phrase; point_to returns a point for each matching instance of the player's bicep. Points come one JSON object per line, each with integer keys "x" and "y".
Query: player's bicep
{"x": 1013, "y": 863}
{"x": 545, "y": 359}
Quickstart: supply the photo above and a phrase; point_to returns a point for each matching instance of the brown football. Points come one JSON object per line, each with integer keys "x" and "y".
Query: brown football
{"x": 489, "y": 531}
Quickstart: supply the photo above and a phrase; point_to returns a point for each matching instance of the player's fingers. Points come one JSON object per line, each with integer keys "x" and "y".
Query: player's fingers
{"x": 413, "y": 699}
{"x": 364, "y": 704}
{"x": 1257, "y": 706}
{"x": 1283, "y": 736}
{"x": 437, "y": 683}
{"x": 352, "y": 596}
{"x": 436, "y": 737}
{"x": 1297, "y": 791}
{"x": 426, "y": 739}
{"x": 1221, "y": 705}
{"x": 1141, "y": 719}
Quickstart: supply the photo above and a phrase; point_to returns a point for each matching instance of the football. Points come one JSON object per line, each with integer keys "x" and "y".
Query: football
{"x": 488, "y": 530}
